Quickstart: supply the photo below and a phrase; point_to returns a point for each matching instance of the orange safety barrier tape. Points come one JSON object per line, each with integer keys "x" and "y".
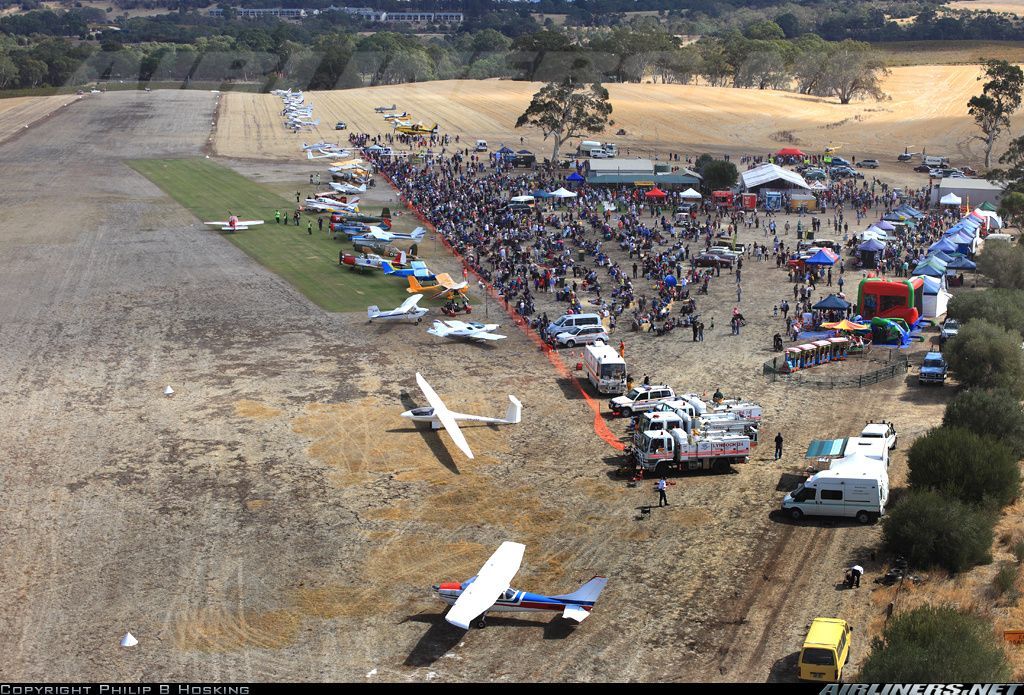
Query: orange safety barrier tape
{"x": 600, "y": 426}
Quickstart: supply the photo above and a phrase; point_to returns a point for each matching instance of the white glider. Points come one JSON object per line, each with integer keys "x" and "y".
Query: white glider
{"x": 438, "y": 415}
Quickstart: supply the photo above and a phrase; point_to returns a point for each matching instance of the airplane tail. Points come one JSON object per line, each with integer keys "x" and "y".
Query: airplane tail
{"x": 414, "y": 286}
{"x": 387, "y": 268}
{"x": 588, "y": 592}
{"x": 372, "y": 312}
{"x": 514, "y": 415}
{"x": 385, "y": 213}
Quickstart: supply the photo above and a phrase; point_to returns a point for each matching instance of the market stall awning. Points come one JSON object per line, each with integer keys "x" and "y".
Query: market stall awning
{"x": 871, "y": 245}
{"x": 826, "y": 447}
{"x": 562, "y": 193}
{"x": 822, "y": 257}
{"x": 655, "y": 193}
{"x": 951, "y": 199}
{"x": 790, "y": 152}
{"x": 845, "y": 325}
{"x": 575, "y": 177}
{"x": 690, "y": 194}
{"x": 832, "y": 302}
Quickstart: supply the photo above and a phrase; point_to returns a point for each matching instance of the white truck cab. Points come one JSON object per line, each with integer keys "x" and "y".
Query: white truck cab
{"x": 481, "y": 146}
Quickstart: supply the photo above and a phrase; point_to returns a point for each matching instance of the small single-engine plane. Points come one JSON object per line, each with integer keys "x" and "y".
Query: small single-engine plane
{"x": 465, "y": 331}
{"x": 233, "y": 224}
{"x": 408, "y": 310}
{"x": 489, "y": 592}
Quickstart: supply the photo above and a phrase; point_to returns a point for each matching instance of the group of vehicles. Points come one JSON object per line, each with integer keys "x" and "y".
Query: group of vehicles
{"x": 597, "y": 150}
{"x": 856, "y": 482}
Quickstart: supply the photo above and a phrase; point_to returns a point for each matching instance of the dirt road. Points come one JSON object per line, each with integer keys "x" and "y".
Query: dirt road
{"x": 276, "y": 520}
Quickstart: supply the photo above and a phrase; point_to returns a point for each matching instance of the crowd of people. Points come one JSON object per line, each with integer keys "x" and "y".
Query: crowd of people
{"x": 561, "y": 248}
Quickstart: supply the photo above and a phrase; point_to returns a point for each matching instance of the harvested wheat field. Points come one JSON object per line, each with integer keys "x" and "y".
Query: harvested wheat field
{"x": 19, "y": 113}
{"x": 1008, "y": 6}
{"x": 927, "y": 110}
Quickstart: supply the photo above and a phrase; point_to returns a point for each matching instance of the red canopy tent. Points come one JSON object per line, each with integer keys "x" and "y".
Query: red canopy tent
{"x": 790, "y": 152}
{"x": 655, "y": 193}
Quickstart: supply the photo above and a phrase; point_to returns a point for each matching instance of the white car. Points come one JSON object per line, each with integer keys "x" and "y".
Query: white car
{"x": 949, "y": 329}
{"x": 580, "y": 335}
{"x": 641, "y": 399}
{"x": 599, "y": 154}
{"x": 881, "y": 430}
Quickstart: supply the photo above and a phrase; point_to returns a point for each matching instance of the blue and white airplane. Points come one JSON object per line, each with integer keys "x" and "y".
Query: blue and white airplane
{"x": 416, "y": 269}
{"x": 378, "y": 237}
{"x": 489, "y": 592}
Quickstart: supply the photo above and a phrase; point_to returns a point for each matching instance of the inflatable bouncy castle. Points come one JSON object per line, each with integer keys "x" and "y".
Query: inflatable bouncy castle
{"x": 891, "y": 299}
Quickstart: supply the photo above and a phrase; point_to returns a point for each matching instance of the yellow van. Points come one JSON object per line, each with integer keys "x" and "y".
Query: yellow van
{"x": 825, "y": 651}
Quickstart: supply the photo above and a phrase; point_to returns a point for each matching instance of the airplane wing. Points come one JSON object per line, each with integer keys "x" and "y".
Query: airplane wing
{"x": 218, "y": 224}
{"x": 444, "y": 416}
{"x": 486, "y": 336}
{"x": 410, "y": 303}
{"x": 249, "y": 223}
{"x": 490, "y": 583}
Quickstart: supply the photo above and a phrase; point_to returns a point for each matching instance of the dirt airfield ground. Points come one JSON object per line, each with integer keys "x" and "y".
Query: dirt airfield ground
{"x": 276, "y": 520}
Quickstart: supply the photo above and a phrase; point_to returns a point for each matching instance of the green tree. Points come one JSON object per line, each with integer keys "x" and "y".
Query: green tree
{"x": 1011, "y": 209}
{"x": 965, "y": 465}
{"x": 854, "y": 69}
{"x": 764, "y": 29}
{"x": 1000, "y": 97}
{"x": 996, "y": 413}
{"x": 929, "y": 529}
{"x": 1003, "y": 307}
{"x": 936, "y": 644}
{"x": 1003, "y": 263}
{"x": 719, "y": 175}
{"x": 8, "y": 71}
{"x": 984, "y": 355}
{"x": 565, "y": 110}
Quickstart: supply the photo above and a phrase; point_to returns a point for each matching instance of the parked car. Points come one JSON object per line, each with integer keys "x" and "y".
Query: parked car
{"x": 869, "y": 164}
{"x": 815, "y": 175}
{"x": 839, "y": 161}
{"x": 923, "y": 168}
{"x": 599, "y": 154}
{"x": 933, "y": 369}
{"x": 949, "y": 329}
{"x": 881, "y": 430}
{"x": 581, "y": 335}
{"x": 340, "y": 125}
{"x": 641, "y": 399}
{"x": 825, "y": 651}
{"x": 968, "y": 171}
{"x": 713, "y": 260}
{"x": 842, "y": 172}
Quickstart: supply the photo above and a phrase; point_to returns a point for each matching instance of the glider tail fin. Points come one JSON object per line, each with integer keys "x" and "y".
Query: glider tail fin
{"x": 515, "y": 411}
{"x": 588, "y": 592}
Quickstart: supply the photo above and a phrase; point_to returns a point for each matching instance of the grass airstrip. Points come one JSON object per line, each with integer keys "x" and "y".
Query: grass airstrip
{"x": 310, "y": 263}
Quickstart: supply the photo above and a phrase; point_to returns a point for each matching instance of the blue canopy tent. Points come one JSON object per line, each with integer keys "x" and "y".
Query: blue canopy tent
{"x": 540, "y": 193}
{"x": 965, "y": 243}
{"x": 506, "y": 150}
{"x": 931, "y": 266}
{"x": 885, "y": 224}
{"x": 943, "y": 244}
{"x": 961, "y": 263}
{"x": 941, "y": 255}
{"x": 832, "y": 302}
{"x": 909, "y": 210}
{"x": 820, "y": 258}
{"x": 869, "y": 251}
{"x": 575, "y": 177}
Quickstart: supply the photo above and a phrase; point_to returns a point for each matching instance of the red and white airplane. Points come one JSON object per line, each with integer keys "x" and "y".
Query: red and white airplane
{"x": 489, "y": 592}
{"x": 233, "y": 224}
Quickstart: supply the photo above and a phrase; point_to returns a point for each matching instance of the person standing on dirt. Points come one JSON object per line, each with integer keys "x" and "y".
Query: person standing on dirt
{"x": 778, "y": 446}
{"x": 320, "y": 223}
{"x": 855, "y": 574}
{"x": 309, "y": 228}
{"x": 662, "y": 498}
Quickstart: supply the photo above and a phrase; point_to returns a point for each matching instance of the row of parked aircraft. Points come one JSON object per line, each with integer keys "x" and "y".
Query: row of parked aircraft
{"x": 297, "y": 113}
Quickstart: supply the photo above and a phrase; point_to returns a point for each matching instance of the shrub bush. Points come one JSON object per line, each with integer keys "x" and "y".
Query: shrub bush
{"x": 1003, "y": 263}
{"x": 1018, "y": 551}
{"x": 995, "y": 412}
{"x": 1003, "y": 307}
{"x": 964, "y": 465}
{"x": 1005, "y": 578}
{"x": 987, "y": 356}
{"x": 929, "y": 529}
{"x": 936, "y": 645}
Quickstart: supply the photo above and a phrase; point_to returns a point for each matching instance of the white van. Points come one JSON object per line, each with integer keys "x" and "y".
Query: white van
{"x": 588, "y": 146}
{"x": 936, "y": 161}
{"x": 567, "y": 321}
{"x": 481, "y": 146}
{"x": 855, "y": 486}
{"x": 872, "y": 447}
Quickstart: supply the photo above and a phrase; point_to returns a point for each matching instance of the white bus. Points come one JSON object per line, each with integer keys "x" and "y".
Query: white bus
{"x": 605, "y": 369}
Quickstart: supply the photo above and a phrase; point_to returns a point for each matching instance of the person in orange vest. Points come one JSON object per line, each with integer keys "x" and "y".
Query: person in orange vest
{"x": 622, "y": 349}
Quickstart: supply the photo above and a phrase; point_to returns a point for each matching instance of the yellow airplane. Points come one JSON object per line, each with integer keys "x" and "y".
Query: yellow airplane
{"x": 445, "y": 285}
{"x": 417, "y": 129}
{"x": 832, "y": 149}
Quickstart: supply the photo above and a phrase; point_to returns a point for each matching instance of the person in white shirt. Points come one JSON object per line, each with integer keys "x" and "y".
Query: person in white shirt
{"x": 662, "y": 499}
